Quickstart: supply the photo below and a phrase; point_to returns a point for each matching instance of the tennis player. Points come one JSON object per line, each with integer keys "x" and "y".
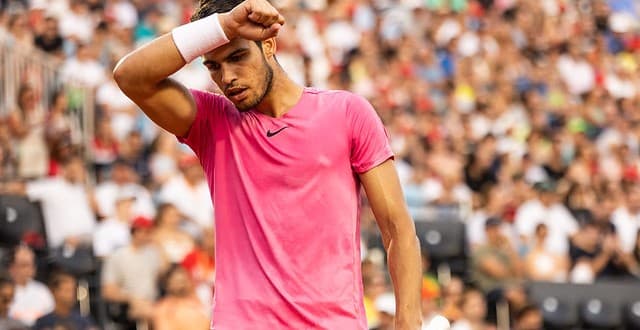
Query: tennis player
{"x": 285, "y": 165}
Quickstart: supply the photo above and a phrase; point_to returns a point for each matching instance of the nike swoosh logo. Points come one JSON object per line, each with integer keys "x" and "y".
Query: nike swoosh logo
{"x": 270, "y": 133}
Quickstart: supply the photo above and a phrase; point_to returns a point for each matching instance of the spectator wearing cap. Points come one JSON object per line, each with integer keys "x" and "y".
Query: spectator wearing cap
{"x": 129, "y": 275}
{"x": 189, "y": 192}
{"x": 180, "y": 308}
{"x": 7, "y": 292}
{"x": 546, "y": 208}
{"x": 386, "y": 306}
{"x": 496, "y": 262}
{"x": 64, "y": 288}
{"x": 114, "y": 232}
{"x": 124, "y": 181}
{"x": 32, "y": 298}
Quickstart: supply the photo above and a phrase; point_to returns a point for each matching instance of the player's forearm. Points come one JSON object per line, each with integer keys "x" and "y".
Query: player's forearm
{"x": 406, "y": 274}
{"x": 142, "y": 70}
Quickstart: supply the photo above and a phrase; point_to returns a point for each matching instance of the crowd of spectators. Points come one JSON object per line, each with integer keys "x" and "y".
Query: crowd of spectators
{"x": 523, "y": 112}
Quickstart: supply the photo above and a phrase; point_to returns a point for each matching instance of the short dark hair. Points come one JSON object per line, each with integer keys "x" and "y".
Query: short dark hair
{"x": 58, "y": 278}
{"x": 210, "y": 7}
{"x": 6, "y": 281}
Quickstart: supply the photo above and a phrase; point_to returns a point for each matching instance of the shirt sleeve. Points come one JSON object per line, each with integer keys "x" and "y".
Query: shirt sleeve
{"x": 208, "y": 107}
{"x": 109, "y": 272}
{"x": 38, "y": 190}
{"x": 369, "y": 139}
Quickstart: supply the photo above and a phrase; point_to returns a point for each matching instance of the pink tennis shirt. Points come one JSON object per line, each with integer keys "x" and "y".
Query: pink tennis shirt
{"x": 287, "y": 194}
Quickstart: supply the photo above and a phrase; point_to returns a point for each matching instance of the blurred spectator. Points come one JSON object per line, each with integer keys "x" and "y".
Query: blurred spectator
{"x": 50, "y": 39}
{"x": 180, "y": 308}
{"x": 495, "y": 263}
{"x": 374, "y": 285}
{"x": 72, "y": 226}
{"x": 27, "y": 127}
{"x": 528, "y": 318}
{"x": 76, "y": 24}
{"x": 163, "y": 162}
{"x": 189, "y": 192}
{"x": 200, "y": 263}
{"x": 452, "y": 299}
{"x": 60, "y": 127}
{"x": 129, "y": 275}
{"x": 116, "y": 108}
{"x": 113, "y": 232}
{"x": 386, "y": 306}
{"x": 32, "y": 298}
{"x": 595, "y": 254}
{"x": 124, "y": 180}
{"x": 104, "y": 149}
{"x": 474, "y": 309}
{"x": 626, "y": 218}
{"x": 7, "y": 292}
{"x": 174, "y": 243}
{"x": 64, "y": 288}
{"x": 84, "y": 69}
{"x": 542, "y": 265}
{"x": 547, "y": 209}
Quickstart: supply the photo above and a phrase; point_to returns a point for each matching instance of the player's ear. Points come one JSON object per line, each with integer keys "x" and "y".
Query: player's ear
{"x": 269, "y": 47}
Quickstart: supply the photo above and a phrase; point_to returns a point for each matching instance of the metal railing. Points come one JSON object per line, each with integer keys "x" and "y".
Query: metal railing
{"x": 19, "y": 66}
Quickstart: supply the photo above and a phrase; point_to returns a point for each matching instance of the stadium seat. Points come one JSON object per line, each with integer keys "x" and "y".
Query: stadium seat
{"x": 559, "y": 312}
{"x": 598, "y": 313}
{"x": 21, "y": 221}
{"x": 445, "y": 240}
{"x": 632, "y": 314}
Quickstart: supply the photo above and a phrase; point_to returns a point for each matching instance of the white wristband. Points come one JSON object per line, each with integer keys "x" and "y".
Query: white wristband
{"x": 199, "y": 37}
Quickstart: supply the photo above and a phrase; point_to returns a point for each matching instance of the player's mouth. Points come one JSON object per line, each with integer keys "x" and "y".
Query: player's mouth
{"x": 237, "y": 94}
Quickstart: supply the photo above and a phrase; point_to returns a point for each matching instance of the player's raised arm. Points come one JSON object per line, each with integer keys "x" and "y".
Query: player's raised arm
{"x": 143, "y": 75}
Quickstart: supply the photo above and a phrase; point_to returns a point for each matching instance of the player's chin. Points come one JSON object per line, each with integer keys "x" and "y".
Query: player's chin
{"x": 245, "y": 105}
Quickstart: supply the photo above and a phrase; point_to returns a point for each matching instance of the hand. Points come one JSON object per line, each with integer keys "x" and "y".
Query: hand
{"x": 252, "y": 19}
{"x": 72, "y": 241}
{"x": 140, "y": 308}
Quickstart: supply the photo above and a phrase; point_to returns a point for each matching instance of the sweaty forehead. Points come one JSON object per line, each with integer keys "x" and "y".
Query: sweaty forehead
{"x": 220, "y": 53}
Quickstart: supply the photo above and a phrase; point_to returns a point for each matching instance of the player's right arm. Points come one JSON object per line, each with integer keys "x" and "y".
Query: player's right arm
{"x": 143, "y": 75}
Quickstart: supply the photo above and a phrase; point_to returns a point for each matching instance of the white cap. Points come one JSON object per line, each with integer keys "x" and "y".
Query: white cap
{"x": 386, "y": 303}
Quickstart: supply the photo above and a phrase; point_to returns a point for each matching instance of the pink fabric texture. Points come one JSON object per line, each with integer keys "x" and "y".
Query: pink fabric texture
{"x": 286, "y": 195}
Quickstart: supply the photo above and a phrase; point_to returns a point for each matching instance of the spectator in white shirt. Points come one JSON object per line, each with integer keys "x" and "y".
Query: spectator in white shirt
{"x": 113, "y": 232}
{"x": 548, "y": 210}
{"x": 32, "y": 299}
{"x": 626, "y": 218}
{"x": 84, "y": 68}
{"x": 123, "y": 181}
{"x": 66, "y": 205}
{"x": 189, "y": 192}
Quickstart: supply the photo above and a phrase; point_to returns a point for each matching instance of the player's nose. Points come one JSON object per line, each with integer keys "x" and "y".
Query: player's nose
{"x": 227, "y": 75}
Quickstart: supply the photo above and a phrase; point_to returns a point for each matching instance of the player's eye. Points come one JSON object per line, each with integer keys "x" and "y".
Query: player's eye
{"x": 236, "y": 58}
